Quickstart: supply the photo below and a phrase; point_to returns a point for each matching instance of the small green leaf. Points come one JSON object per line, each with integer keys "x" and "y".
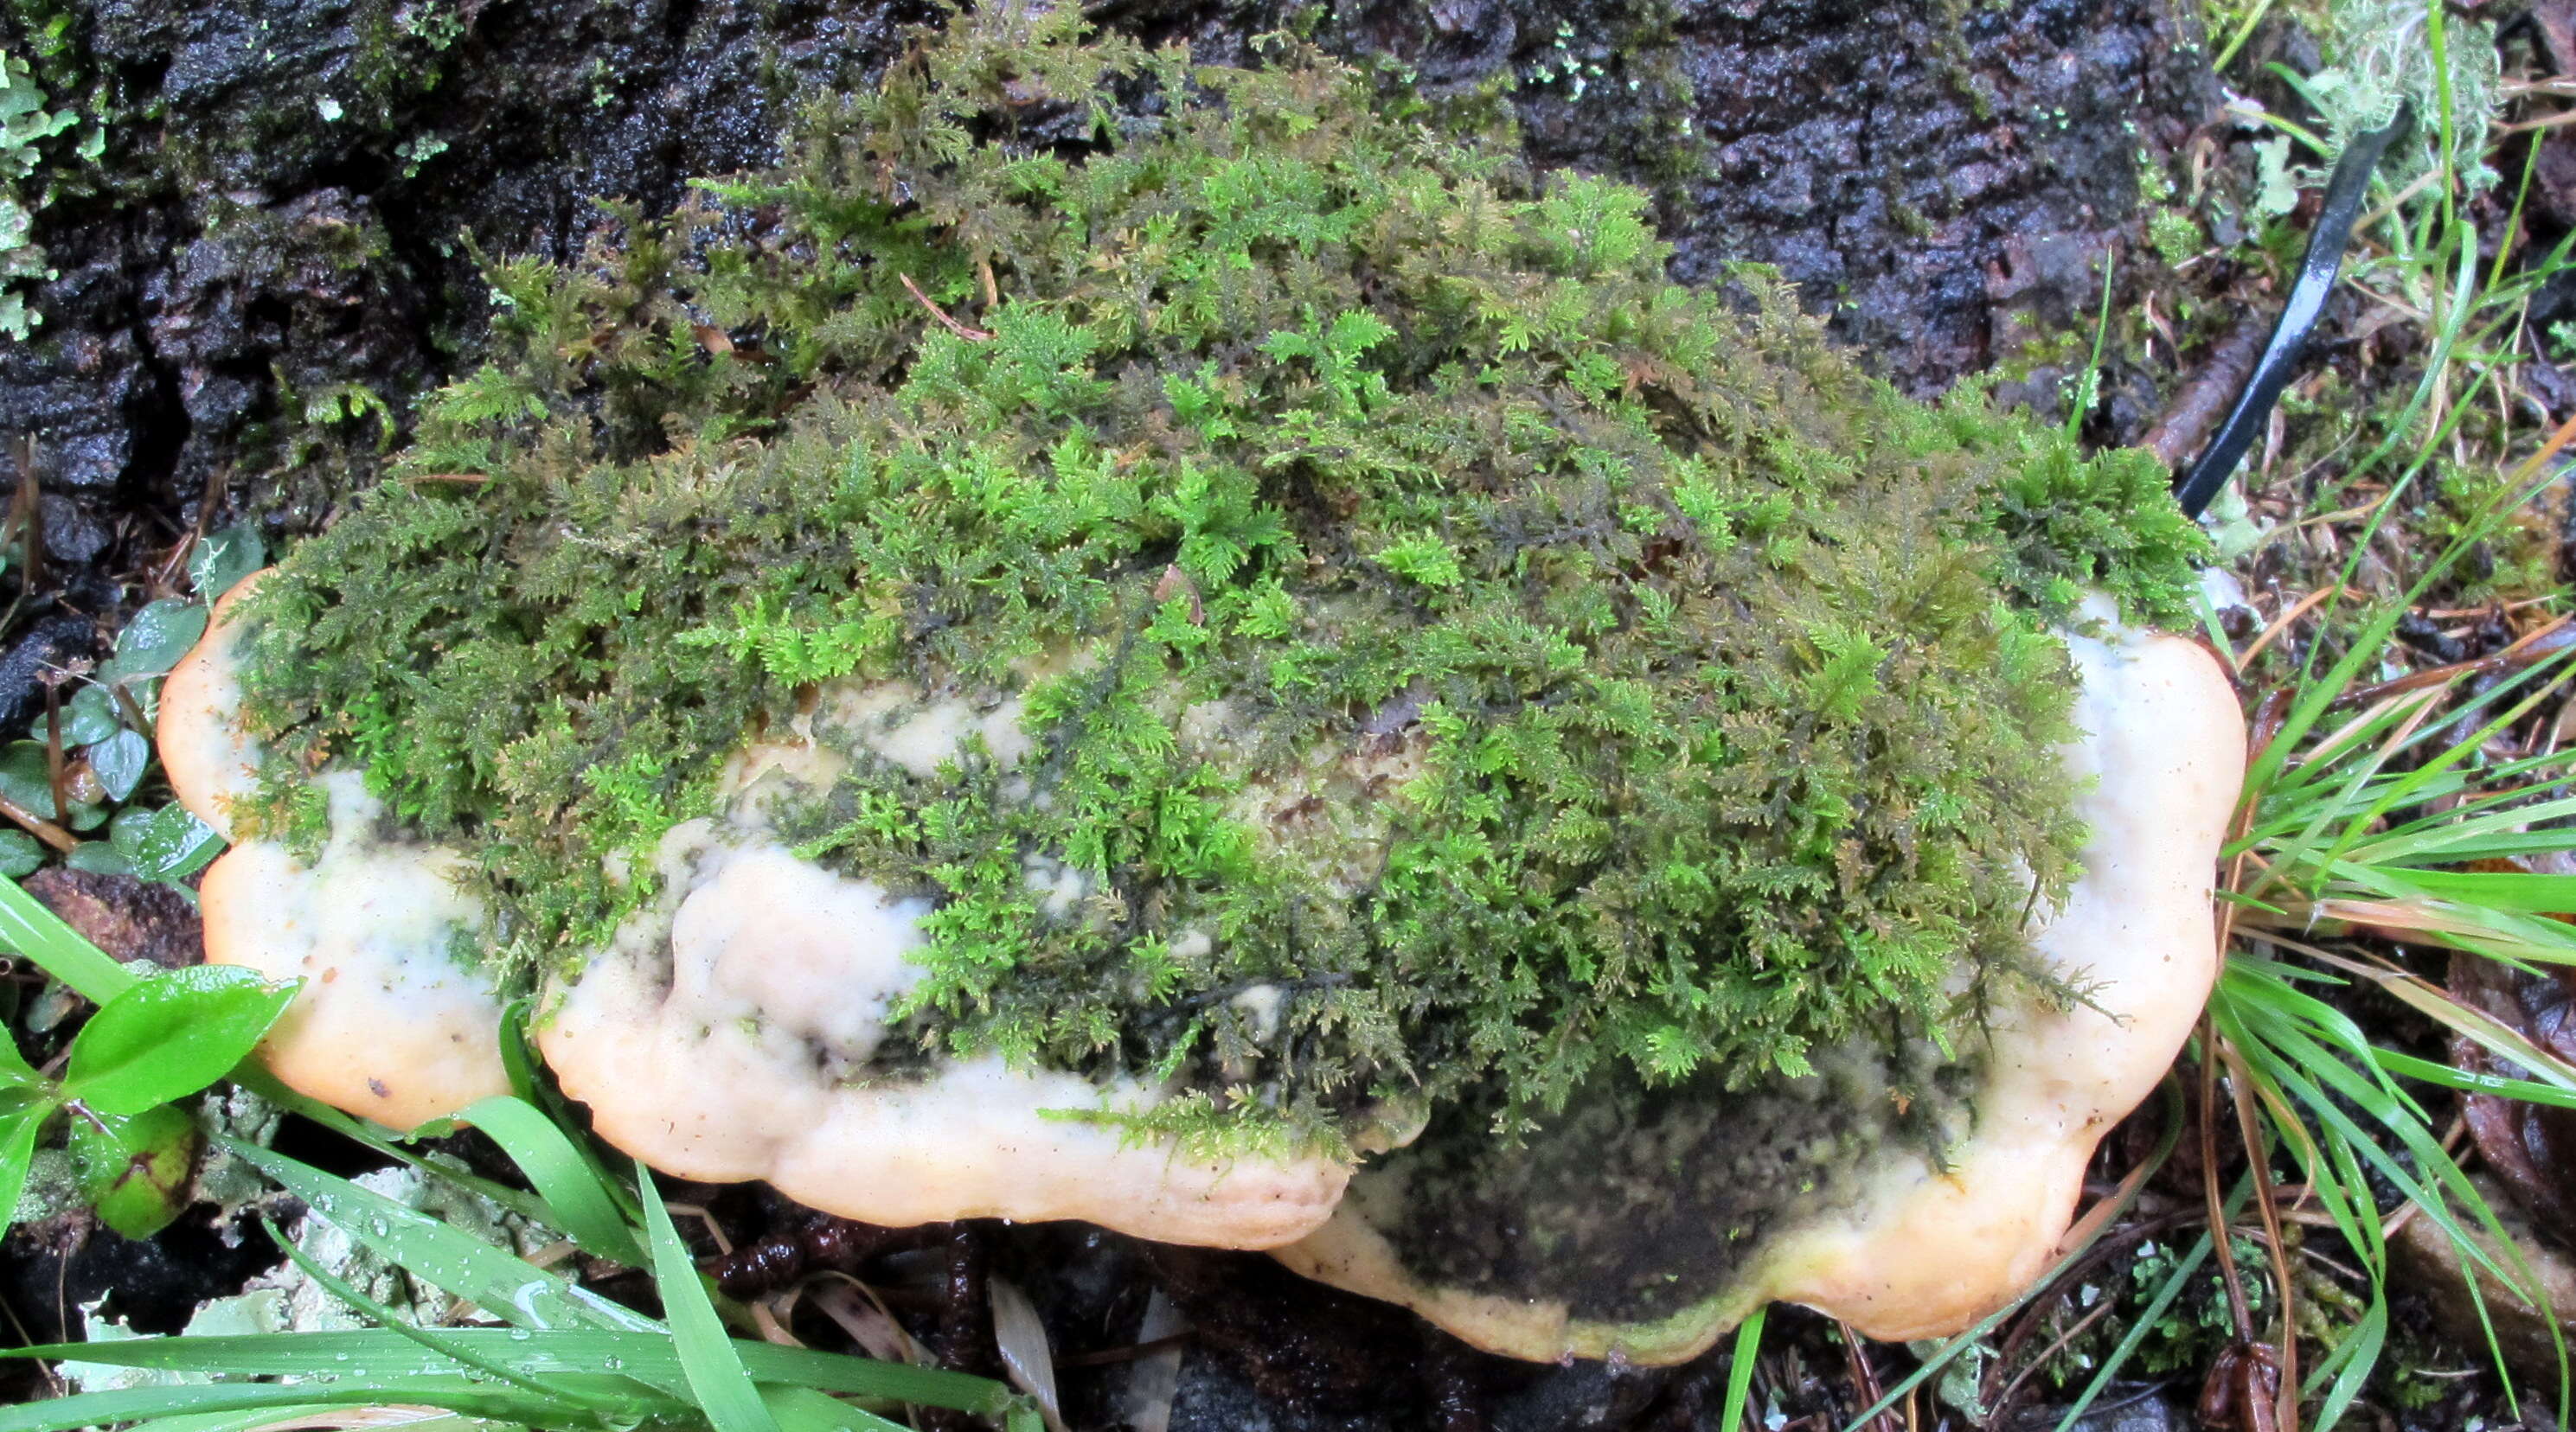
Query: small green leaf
{"x": 20, "y": 853}
{"x": 154, "y": 641}
{"x": 98, "y": 857}
{"x": 134, "y": 1168}
{"x": 172, "y": 844}
{"x": 120, "y": 761}
{"x": 25, "y": 778}
{"x": 223, "y": 558}
{"x": 170, "y": 1036}
{"x": 18, "y": 1130}
{"x": 125, "y": 829}
{"x": 89, "y": 716}
{"x": 15, "y": 1071}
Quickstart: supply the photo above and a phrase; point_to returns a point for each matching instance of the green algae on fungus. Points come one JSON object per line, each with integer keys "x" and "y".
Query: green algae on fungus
{"x": 1450, "y": 658}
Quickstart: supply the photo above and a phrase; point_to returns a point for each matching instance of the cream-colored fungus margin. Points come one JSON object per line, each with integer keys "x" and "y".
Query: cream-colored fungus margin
{"x": 1923, "y": 1253}
{"x": 394, "y": 1022}
{"x": 725, "y": 1033}
{"x": 210, "y": 759}
{"x": 722, "y": 1034}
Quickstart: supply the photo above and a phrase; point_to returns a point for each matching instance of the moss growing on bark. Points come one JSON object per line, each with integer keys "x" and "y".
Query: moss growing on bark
{"x": 1450, "y": 655}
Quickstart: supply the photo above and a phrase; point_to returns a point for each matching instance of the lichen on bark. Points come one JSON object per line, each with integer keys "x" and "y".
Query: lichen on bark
{"x": 1253, "y": 437}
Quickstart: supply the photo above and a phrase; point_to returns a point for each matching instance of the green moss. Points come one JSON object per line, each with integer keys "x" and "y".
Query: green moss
{"x": 1717, "y": 672}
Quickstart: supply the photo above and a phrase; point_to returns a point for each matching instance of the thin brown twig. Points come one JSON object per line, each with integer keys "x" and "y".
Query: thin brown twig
{"x": 2012, "y": 1389}
{"x": 1131, "y": 1352}
{"x": 2546, "y": 121}
{"x": 167, "y": 579}
{"x": 2238, "y": 1313}
{"x": 54, "y": 773}
{"x": 2526, "y": 650}
{"x": 39, "y": 827}
{"x": 2240, "y": 1085}
{"x": 26, "y": 520}
{"x": 1864, "y": 1376}
{"x": 2282, "y": 622}
{"x": 970, "y": 334}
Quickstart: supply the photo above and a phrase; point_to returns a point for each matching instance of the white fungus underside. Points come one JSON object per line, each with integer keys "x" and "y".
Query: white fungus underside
{"x": 1923, "y": 1253}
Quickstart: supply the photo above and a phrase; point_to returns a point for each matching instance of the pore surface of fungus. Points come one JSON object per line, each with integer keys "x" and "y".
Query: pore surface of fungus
{"x": 1123, "y": 634}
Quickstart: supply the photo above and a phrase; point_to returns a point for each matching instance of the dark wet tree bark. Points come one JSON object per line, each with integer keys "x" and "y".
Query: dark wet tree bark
{"x": 284, "y": 222}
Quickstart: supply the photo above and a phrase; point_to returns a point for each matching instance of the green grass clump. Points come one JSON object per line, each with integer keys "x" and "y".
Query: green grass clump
{"x": 1733, "y": 692}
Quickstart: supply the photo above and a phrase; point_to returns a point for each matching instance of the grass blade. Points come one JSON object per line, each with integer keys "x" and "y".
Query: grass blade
{"x": 802, "y": 1409}
{"x": 503, "y": 1284}
{"x": 455, "y": 1394}
{"x": 575, "y": 1192}
{"x": 707, "y": 1355}
{"x": 2148, "y": 1318}
{"x": 1739, "y": 1369}
{"x": 27, "y": 927}
{"x": 438, "y": 1345}
{"x": 647, "y": 1356}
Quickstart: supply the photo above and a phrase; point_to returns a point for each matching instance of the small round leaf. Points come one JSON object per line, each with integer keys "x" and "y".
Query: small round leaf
{"x": 120, "y": 761}
{"x": 88, "y": 715}
{"x": 20, "y": 853}
{"x": 154, "y": 641}
{"x": 174, "y": 845}
{"x": 98, "y": 857}
{"x": 25, "y": 779}
{"x": 224, "y": 558}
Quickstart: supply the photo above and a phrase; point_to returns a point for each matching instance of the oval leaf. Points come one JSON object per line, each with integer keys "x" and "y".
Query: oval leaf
{"x": 120, "y": 761}
{"x": 20, "y": 853}
{"x": 98, "y": 857}
{"x": 125, "y": 830}
{"x": 154, "y": 641}
{"x": 135, "y": 1169}
{"x": 18, "y": 1130}
{"x": 88, "y": 717}
{"x": 174, "y": 845}
{"x": 25, "y": 778}
{"x": 170, "y": 1036}
{"x": 224, "y": 558}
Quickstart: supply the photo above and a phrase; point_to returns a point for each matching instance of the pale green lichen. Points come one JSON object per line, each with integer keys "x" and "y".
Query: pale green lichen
{"x": 1722, "y": 671}
{"x": 24, "y": 121}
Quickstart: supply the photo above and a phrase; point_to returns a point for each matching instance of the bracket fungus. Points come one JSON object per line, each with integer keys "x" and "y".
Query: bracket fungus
{"x": 1340, "y": 674}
